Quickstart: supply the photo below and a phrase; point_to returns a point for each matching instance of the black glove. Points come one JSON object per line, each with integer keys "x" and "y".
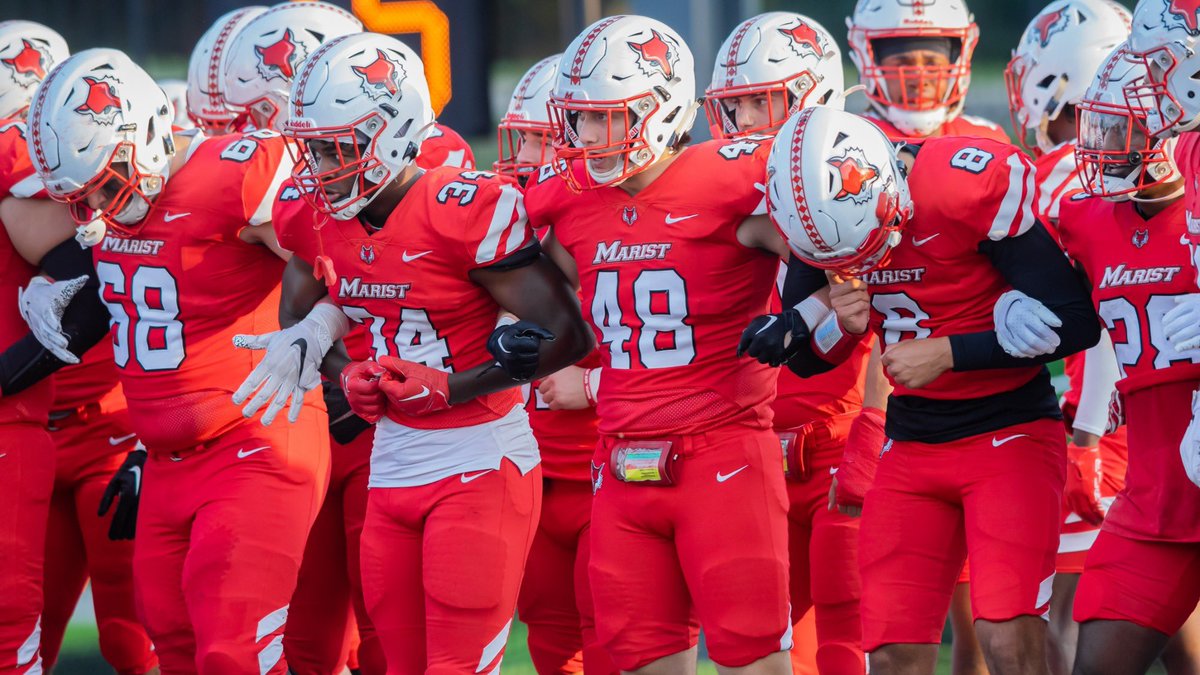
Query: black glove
{"x": 763, "y": 340}
{"x": 344, "y": 425}
{"x": 127, "y": 484}
{"x": 515, "y": 348}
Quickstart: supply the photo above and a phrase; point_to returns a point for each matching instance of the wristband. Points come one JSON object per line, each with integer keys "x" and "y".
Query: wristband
{"x": 591, "y": 390}
{"x": 831, "y": 342}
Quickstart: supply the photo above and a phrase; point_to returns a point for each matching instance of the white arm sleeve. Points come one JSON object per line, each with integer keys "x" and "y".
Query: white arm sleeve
{"x": 1100, "y": 375}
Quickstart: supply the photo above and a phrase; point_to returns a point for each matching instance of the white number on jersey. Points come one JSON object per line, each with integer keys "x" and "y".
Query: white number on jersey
{"x": 415, "y": 340}
{"x": 902, "y": 317}
{"x": 664, "y": 339}
{"x": 971, "y": 159}
{"x": 1114, "y": 311}
{"x": 154, "y": 335}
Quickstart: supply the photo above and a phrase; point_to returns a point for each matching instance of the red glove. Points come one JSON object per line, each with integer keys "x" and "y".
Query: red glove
{"x": 360, "y": 381}
{"x": 413, "y": 389}
{"x": 1084, "y": 473}
{"x": 864, "y": 444}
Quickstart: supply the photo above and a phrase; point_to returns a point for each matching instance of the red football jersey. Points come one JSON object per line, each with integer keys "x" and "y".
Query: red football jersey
{"x": 962, "y": 125}
{"x": 408, "y": 283}
{"x": 1187, "y": 158}
{"x": 1137, "y": 268}
{"x": 668, "y": 289}
{"x": 800, "y": 400}
{"x": 566, "y": 438}
{"x": 444, "y": 147}
{"x": 937, "y": 282}
{"x": 93, "y": 379}
{"x": 33, "y": 404}
{"x": 1058, "y": 179}
{"x": 181, "y": 288}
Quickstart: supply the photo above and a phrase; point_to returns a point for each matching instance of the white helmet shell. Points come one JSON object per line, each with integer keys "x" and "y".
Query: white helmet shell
{"x": 1166, "y": 36}
{"x": 28, "y": 51}
{"x": 836, "y": 190}
{"x": 527, "y": 116}
{"x": 176, "y": 91}
{"x": 366, "y": 94}
{"x": 780, "y": 52}
{"x": 267, "y": 52}
{"x": 206, "y": 103}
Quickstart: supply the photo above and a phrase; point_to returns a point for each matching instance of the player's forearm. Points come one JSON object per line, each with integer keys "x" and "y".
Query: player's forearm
{"x": 802, "y": 282}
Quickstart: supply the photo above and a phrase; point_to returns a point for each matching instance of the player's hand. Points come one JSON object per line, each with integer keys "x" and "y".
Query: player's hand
{"x": 42, "y": 304}
{"x": 344, "y": 425}
{"x": 916, "y": 363}
{"x": 291, "y": 366}
{"x": 773, "y": 339}
{"x": 563, "y": 390}
{"x": 360, "y": 381}
{"x": 1189, "y": 447}
{"x": 414, "y": 389}
{"x": 1084, "y": 474}
{"x": 126, "y": 487}
{"x": 1181, "y": 324}
{"x": 849, "y": 298}
{"x": 860, "y": 459}
{"x": 515, "y": 347}
{"x": 1116, "y": 413}
{"x": 1024, "y": 326}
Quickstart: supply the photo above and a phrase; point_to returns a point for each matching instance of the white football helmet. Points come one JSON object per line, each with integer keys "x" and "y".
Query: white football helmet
{"x": 929, "y": 96}
{"x": 206, "y": 103}
{"x": 836, "y": 190}
{"x": 100, "y": 123}
{"x": 1057, "y": 58}
{"x": 267, "y": 52}
{"x": 1166, "y": 37}
{"x": 637, "y": 73}
{"x": 28, "y": 51}
{"x": 1117, "y": 154}
{"x": 527, "y": 116}
{"x": 176, "y": 91}
{"x": 777, "y": 53}
{"x": 365, "y": 96}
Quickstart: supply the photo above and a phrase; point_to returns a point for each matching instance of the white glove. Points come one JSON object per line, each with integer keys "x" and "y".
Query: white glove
{"x": 1024, "y": 326}
{"x": 1181, "y": 324}
{"x": 1189, "y": 447}
{"x": 42, "y": 304}
{"x": 290, "y": 367}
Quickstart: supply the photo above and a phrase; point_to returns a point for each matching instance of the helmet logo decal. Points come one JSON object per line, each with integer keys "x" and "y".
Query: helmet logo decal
{"x": 656, "y": 54}
{"x": 856, "y": 174}
{"x": 804, "y": 35}
{"x": 380, "y": 78}
{"x": 280, "y": 58}
{"x": 28, "y": 65}
{"x": 1187, "y": 10}
{"x": 102, "y": 103}
{"x": 1048, "y": 25}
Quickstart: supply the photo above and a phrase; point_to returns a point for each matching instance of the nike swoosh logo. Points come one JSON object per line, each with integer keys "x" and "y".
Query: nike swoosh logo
{"x": 168, "y": 217}
{"x": 833, "y": 471}
{"x": 423, "y": 394}
{"x": 117, "y": 440}
{"x": 3, "y": 455}
{"x": 467, "y": 478}
{"x": 242, "y": 454}
{"x": 770, "y": 322}
{"x": 137, "y": 478}
{"x": 671, "y": 220}
{"x": 999, "y": 442}
{"x": 409, "y": 258}
{"x": 722, "y": 477}
{"x": 922, "y": 242}
{"x": 302, "y": 343}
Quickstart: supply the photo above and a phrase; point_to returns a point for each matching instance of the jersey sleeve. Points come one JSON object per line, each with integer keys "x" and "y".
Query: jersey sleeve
{"x": 444, "y": 147}
{"x": 542, "y": 192}
{"x": 1009, "y": 191}
{"x": 16, "y": 169}
{"x": 1056, "y": 180}
{"x": 737, "y": 171}
{"x": 490, "y": 223}
{"x": 293, "y": 220}
{"x": 267, "y": 166}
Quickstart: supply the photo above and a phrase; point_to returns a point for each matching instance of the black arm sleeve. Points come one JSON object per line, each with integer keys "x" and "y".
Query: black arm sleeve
{"x": 802, "y": 281}
{"x": 85, "y": 321}
{"x": 1036, "y": 266}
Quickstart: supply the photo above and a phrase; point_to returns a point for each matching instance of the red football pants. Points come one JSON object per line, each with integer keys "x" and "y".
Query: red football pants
{"x": 1155, "y": 584}
{"x": 329, "y": 588}
{"x": 221, "y": 532}
{"x": 27, "y": 463}
{"x": 556, "y": 597}
{"x": 823, "y": 559}
{"x": 441, "y": 566}
{"x": 88, "y": 452}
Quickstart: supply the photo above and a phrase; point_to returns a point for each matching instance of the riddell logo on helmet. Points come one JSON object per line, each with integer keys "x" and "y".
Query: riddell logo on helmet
{"x": 28, "y": 65}
{"x": 656, "y": 55}
{"x": 102, "y": 102}
{"x": 1048, "y": 25}
{"x": 381, "y": 78}
{"x": 1186, "y": 10}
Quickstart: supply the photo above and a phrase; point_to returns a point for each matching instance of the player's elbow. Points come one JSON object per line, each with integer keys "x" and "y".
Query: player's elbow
{"x": 578, "y": 340}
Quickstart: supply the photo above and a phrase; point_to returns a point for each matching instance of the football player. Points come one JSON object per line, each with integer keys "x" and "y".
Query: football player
{"x": 930, "y": 273}
{"x": 1129, "y": 225}
{"x": 206, "y": 103}
{"x": 183, "y": 264}
{"x": 768, "y": 68}
{"x": 455, "y": 483}
{"x": 914, "y": 58}
{"x": 1055, "y": 60}
{"x": 689, "y": 515}
{"x": 555, "y": 602}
